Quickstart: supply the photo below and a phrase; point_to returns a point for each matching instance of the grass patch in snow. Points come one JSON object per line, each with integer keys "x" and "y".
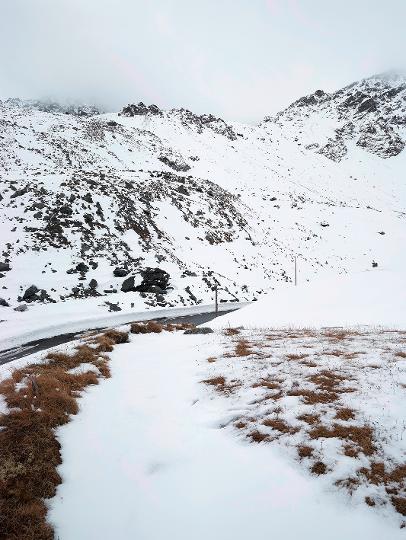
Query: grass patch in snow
{"x": 40, "y": 397}
{"x": 337, "y": 408}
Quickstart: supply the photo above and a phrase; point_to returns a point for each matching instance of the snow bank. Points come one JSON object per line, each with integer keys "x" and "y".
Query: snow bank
{"x": 376, "y": 297}
{"x": 44, "y": 321}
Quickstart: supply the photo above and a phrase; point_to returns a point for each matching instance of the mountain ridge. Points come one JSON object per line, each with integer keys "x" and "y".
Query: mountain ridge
{"x": 212, "y": 203}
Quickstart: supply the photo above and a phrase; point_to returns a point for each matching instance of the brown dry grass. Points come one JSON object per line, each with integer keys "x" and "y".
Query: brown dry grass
{"x": 360, "y": 436}
{"x": 294, "y": 356}
{"x": 265, "y": 383}
{"x": 309, "y": 418}
{"x": 45, "y": 399}
{"x": 257, "y": 436}
{"x": 318, "y": 468}
{"x": 242, "y": 348}
{"x": 153, "y": 327}
{"x": 232, "y": 331}
{"x": 280, "y": 425}
{"x": 221, "y": 384}
{"x": 305, "y": 451}
{"x": 211, "y": 359}
{"x": 345, "y": 414}
{"x": 400, "y": 354}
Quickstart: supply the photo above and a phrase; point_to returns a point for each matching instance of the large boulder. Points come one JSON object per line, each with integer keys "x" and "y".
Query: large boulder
{"x": 4, "y": 303}
{"x": 4, "y": 267}
{"x": 120, "y": 272}
{"x": 30, "y": 294}
{"x": 128, "y": 284}
{"x": 154, "y": 280}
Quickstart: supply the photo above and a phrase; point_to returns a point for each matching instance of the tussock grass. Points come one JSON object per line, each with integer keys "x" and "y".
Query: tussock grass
{"x": 41, "y": 397}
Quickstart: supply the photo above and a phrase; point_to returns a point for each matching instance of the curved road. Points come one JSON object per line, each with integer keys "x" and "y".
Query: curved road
{"x": 46, "y": 343}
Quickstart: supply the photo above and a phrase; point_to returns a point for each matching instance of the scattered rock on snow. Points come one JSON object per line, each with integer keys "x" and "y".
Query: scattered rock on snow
{"x": 199, "y": 330}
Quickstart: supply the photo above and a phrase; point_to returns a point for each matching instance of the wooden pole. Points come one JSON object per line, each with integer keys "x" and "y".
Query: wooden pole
{"x": 215, "y": 299}
{"x": 295, "y": 270}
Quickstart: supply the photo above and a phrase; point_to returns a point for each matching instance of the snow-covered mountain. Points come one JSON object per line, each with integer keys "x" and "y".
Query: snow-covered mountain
{"x": 91, "y": 203}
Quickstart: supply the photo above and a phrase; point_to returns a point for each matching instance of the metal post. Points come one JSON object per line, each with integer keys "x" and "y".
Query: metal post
{"x": 215, "y": 300}
{"x": 295, "y": 271}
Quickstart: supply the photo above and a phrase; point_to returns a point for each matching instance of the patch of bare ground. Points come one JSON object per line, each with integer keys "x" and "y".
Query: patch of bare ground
{"x": 41, "y": 397}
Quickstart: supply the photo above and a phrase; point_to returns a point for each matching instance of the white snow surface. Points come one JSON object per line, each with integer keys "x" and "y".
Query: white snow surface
{"x": 146, "y": 458}
{"x": 371, "y": 298}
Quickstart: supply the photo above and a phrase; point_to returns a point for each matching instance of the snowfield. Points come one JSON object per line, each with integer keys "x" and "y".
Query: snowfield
{"x": 371, "y": 298}
{"x": 153, "y": 453}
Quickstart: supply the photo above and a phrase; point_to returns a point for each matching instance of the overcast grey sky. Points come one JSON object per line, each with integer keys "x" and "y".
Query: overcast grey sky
{"x": 241, "y": 59}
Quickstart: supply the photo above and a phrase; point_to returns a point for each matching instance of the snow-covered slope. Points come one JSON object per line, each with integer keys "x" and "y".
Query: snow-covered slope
{"x": 209, "y": 202}
{"x": 371, "y": 298}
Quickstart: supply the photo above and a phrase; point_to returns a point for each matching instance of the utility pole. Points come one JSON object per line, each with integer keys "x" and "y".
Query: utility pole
{"x": 295, "y": 270}
{"x": 216, "y": 306}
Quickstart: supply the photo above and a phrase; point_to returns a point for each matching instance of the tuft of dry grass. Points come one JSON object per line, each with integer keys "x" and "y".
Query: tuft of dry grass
{"x": 211, "y": 359}
{"x": 360, "y": 436}
{"x": 257, "y": 436}
{"x": 280, "y": 425}
{"x": 41, "y": 397}
{"x": 222, "y": 385}
{"x": 242, "y": 348}
{"x": 305, "y": 451}
{"x": 309, "y": 418}
{"x": 265, "y": 383}
{"x": 345, "y": 414}
{"x": 294, "y": 356}
{"x": 318, "y": 468}
{"x": 232, "y": 331}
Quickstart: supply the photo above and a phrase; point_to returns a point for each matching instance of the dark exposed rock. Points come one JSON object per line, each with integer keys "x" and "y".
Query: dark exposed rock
{"x": 21, "y": 307}
{"x": 31, "y": 293}
{"x": 93, "y": 284}
{"x": 140, "y": 109}
{"x": 113, "y": 307}
{"x": 153, "y": 277}
{"x": 4, "y": 267}
{"x": 19, "y": 192}
{"x": 368, "y": 105}
{"x": 4, "y": 303}
{"x": 176, "y": 165}
{"x": 121, "y": 272}
{"x": 82, "y": 267}
{"x": 128, "y": 284}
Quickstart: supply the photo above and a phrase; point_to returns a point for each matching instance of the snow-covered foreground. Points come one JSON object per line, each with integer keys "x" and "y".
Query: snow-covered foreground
{"x": 147, "y": 458}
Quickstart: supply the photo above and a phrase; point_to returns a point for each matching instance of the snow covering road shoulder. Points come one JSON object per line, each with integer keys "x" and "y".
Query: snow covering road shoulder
{"x": 48, "y": 320}
{"x": 370, "y": 298}
{"x": 147, "y": 458}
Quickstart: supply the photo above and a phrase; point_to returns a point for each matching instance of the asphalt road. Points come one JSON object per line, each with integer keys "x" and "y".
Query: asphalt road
{"x": 47, "y": 343}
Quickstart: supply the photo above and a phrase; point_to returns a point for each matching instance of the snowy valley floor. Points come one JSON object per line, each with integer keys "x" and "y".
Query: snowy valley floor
{"x": 285, "y": 426}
